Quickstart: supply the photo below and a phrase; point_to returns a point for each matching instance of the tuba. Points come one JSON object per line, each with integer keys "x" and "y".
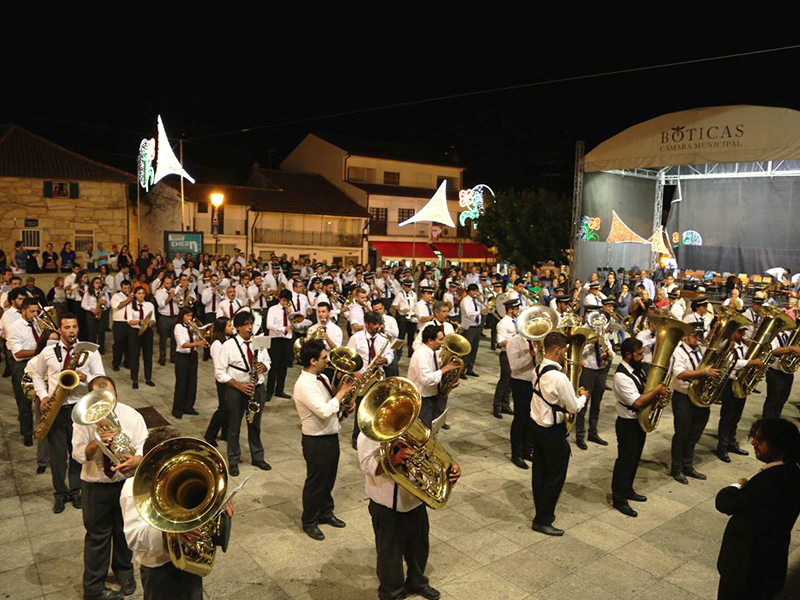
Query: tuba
{"x": 315, "y": 334}
{"x": 389, "y": 414}
{"x": 578, "y": 337}
{"x": 789, "y": 363}
{"x": 669, "y": 333}
{"x": 534, "y": 323}
{"x": 97, "y": 408}
{"x": 773, "y": 321}
{"x": 180, "y": 486}
{"x": 703, "y": 392}
{"x": 455, "y": 346}
{"x": 371, "y": 375}
{"x": 599, "y": 322}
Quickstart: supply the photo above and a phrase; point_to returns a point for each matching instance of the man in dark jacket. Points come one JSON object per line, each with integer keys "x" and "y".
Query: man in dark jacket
{"x": 755, "y": 548}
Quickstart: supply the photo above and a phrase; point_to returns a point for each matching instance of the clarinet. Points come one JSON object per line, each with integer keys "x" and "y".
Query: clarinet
{"x": 252, "y": 405}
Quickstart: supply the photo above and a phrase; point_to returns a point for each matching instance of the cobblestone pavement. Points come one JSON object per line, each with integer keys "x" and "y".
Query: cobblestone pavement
{"x": 482, "y": 546}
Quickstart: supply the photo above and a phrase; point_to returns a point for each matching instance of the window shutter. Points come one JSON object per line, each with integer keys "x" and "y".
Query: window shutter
{"x": 73, "y": 190}
{"x": 48, "y": 189}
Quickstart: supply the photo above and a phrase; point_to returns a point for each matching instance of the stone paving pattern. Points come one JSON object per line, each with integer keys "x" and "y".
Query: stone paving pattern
{"x": 482, "y": 547}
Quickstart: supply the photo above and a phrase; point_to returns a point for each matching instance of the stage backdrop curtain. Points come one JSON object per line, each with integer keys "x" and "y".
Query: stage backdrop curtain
{"x": 626, "y": 255}
{"x": 632, "y": 198}
{"x": 743, "y": 225}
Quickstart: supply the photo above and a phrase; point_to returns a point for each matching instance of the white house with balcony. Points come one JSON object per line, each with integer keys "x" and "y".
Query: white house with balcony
{"x": 393, "y": 182}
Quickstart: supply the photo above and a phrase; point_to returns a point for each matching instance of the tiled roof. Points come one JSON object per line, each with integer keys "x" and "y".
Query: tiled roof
{"x": 377, "y": 189}
{"x": 278, "y": 191}
{"x": 25, "y": 154}
{"x": 388, "y": 150}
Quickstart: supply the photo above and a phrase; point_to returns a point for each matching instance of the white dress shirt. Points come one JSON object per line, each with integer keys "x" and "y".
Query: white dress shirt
{"x": 277, "y": 320}
{"x": 46, "y": 370}
{"x": 425, "y": 371}
{"x": 227, "y": 307}
{"x": 520, "y": 360}
{"x": 361, "y": 341}
{"x": 556, "y": 389}
{"x": 211, "y": 300}
{"x": 423, "y": 309}
{"x": 592, "y": 301}
{"x": 677, "y": 310}
{"x": 20, "y": 337}
{"x": 446, "y": 327}
{"x": 10, "y": 315}
{"x": 780, "y": 340}
{"x": 404, "y": 302}
{"x": 648, "y": 339}
{"x": 181, "y": 334}
{"x": 318, "y": 410}
{"x": 335, "y": 334}
{"x": 506, "y": 329}
{"x": 451, "y": 298}
{"x": 684, "y": 359}
{"x": 231, "y": 363}
{"x": 167, "y": 309}
{"x": 356, "y": 314}
{"x": 120, "y": 314}
{"x": 470, "y": 312}
{"x": 252, "y": 292}
{"x": 382, "y": 489}
{"x": 133, "y": 426}
{"x": 590, "y": 352}
{"x": 300, "y": 303}
{"x": 146, "y": 542}
{"x": 214, "y": 350}
{"x": 626, "y": 392}
{"x": 391, "y": 328}
{"x": 741, "y": 362}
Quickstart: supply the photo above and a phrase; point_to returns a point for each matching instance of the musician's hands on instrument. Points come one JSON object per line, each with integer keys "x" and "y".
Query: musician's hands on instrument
{"x": 584, "y": 392}
{"x": 710, "y": 372}
{"x": 106, "y": 436}
{"x": 382, "y": 361}
{"x": 191, "y": 536}
{"x": 245, "y": 388}
{"x": 346, "y": 388}
{"x": 756, "y": 362}
{"x": 351, "y": 408}
{"x": 455, "y": 473}
{"x": 128, "y": 465}
{"x": 134, "y": 323}
{"x": 449, "y": 366}
{"x": 43, "y": 403}
{"x": 662, "y": 390}
{"x": 229, "y": 509}
{"x": 401, "y": 456}
{"x": 82, "y": 377}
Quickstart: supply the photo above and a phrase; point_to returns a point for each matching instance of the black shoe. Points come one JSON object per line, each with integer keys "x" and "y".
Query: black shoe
{"x": 637, "y": 497}
{"x": 692, "y": 472}
{"x": 547, "y": 529}
{"x": 76, "y": 501}
{"x": 212, "y": 442}
{"x": 625, "y": 509}
{"x": 598, "y": 440}
{"x": 177, "y": 415}
{"x": 109, "y": 594}
{"x": 506, "y": 410}
{"x": 756, "y": 391}
{"x": 264, "y": 466}
{"x": 462, "y": 376}
{"x": 314, "y": 533}
{"x": 581, "y": 443}
{"x": 113, "y": 368}
{"x": 680, "y": 478}
{"x": 284, "y": 396}
{"x": 40, "y": 469}
{"x": 150, "y": 383}
{"x": 355, "y": 444}
{"x": 735, "y": 449}
{"x": 28, "y": 440}
{"x": 496, "y": 414}
{"x": 333, "y": 521}
{"x": 234, "y": 471}
{"x": 59, "y": 504}
{"x": 127, "y": 366}
{"x": 445, "y": 426}
{"x": 7, "y": 373}
{"x": 723, "y": 456}
{"x": 519, "y": 462}
{"x": 472, "y": 374}
{"x": 127, "y": 586}
{"x": 268, "y": 397}
{"x": 529, "y": 456}
{"x": 608, "y": 388}
{"x": 190, "y": 411}
{"x": 135, "y": 385}
{"x": 426, "y": 592}
{"x": 162, "y": 362}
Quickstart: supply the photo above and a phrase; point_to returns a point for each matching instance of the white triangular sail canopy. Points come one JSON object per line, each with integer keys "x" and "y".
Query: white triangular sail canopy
{"x": 435, "y": 210}
{"x": 622, "y": 233}
{"x": 166, "y": 161}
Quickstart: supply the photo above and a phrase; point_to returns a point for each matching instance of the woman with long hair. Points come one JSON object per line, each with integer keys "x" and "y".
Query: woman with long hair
{"x": 57, "y": 297}
{"x": 95, "y": 305}
{"x": 68, "y": 257}
{"x": 124, "y": 258}
{"x": 141, "y": 312}
{"x": 223, "y": 330}
{"x": 49, "y": 259}
{"x": 611, "y": 286}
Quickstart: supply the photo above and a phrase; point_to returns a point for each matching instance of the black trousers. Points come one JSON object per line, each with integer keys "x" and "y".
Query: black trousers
{"x": 185, "y": 382}
{"x": 522, "y": 424}
{"x": 594, "y": 380}
{"x": 237, "y": 406}
{"x": 431, "y": 409}
{"x": 779, "y": 386}
{"x": 492, "y": 321}
{"x": 356, "y": 428}
{"x": 166, "y": 329}
{"x": 105, "y": 538}
{"x": 502, "y": 391}
{"x": 321, "y": 454}
{"x": 550, "y": 461}
{"x": 168, "y": 582}
{"x": 400, "y": 536}
{"x": 62, "y": 465}
{"x": 140, "y": 344}
{"x": 630, "y": 443}
{"x": 408, "y": 331}
{"x": 119, "y": 350}
{"x": 473, "y": 335}
{"x": 96, "y": 329}
{"x": 219, "y": 420}
{"x": 24, "y": 407}
{"x": 729, "y": 415}
{"x": 280, "y": 354}
{"x": 690, "y": 420}
{"x": 209, "y": 318}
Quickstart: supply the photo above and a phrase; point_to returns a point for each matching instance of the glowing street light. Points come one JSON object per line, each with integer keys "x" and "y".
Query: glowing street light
{"x": 216, "y": 201}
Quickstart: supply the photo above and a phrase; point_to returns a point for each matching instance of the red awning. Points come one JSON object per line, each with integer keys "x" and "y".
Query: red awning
{"x": 403, "y": 250}
{"x": 464, "y": 251}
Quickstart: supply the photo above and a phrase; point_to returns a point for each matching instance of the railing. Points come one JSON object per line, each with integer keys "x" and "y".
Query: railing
{"x": 305, "y": 238}
{"x": 226, "y": 226}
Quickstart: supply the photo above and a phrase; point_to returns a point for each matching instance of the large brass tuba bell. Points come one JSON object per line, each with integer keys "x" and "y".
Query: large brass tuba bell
{"x": 534, "y": 323}
{"x": 180, "y": 486}
{"x": 455, "y": 346}
{"x": 389, "y": 414}
{"x": 773, "y": 321}
{"x": 577, "y": 338}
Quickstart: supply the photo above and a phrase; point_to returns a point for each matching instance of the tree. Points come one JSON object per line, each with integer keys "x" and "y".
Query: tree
{"x": 527, "y": 226}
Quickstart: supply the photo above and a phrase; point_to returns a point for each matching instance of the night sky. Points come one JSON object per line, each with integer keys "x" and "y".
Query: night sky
{"x": 509, "y": 138}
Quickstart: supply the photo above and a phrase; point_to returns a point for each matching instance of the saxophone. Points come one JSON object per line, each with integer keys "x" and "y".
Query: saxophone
{"x": 68, "y": 380}
{"x": 101, "y": 306}
{"x": 772, "y": 323}
{"x": 252, "y": 404}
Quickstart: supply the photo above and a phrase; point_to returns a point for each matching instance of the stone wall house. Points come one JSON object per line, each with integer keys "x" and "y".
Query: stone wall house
{"x": 51, "y": 194}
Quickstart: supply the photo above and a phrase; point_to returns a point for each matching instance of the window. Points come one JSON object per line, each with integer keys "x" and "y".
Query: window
{"x": 377, "y": 222}
{"x": 202, "y": 207}
{"x": 464, "y": 231}
{"x": 31, "y": 238}
{"x": 327, "y": 225}
{"x": 60, "y": 189}
{"x": 403, "y": 214}
{"x": 451, "y": 182}
{"x": 83, "y": 237}
{"x": 362, "y": 174}
{"x": 391, "y": 178}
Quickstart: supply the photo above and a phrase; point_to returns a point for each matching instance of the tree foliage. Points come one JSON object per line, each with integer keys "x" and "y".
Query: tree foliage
{"x": 527, "y": 225}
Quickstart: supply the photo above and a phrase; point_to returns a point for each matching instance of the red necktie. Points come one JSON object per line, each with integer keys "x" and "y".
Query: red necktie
{"x": 213, "y": 301}
{"x": 141, "y": 313}
{"x": 126, "y": 313}
{"x": 230, "y": 308}
{"x": 297, "y": 303}
{"x": 67, "y": 356}
{"x": 249, "y": 354}
{"x": 285, "y": 318}
{"x": 371, "y": 348}
{"x": 33, "y": 329}
{"x": 107, "y": 467}
{"x": 171, "y": 309}
{"x": 324, "y": 382}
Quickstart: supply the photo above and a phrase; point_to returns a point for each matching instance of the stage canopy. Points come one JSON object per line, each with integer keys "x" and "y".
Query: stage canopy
{"x": 730, "y": 174}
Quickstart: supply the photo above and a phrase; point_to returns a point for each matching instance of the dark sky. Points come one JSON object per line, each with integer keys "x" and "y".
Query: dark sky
{"x": 509, "y": 138}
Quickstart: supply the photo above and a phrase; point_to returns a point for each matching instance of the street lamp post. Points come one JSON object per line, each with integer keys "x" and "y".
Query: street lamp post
{"x": 216, "y": 202}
